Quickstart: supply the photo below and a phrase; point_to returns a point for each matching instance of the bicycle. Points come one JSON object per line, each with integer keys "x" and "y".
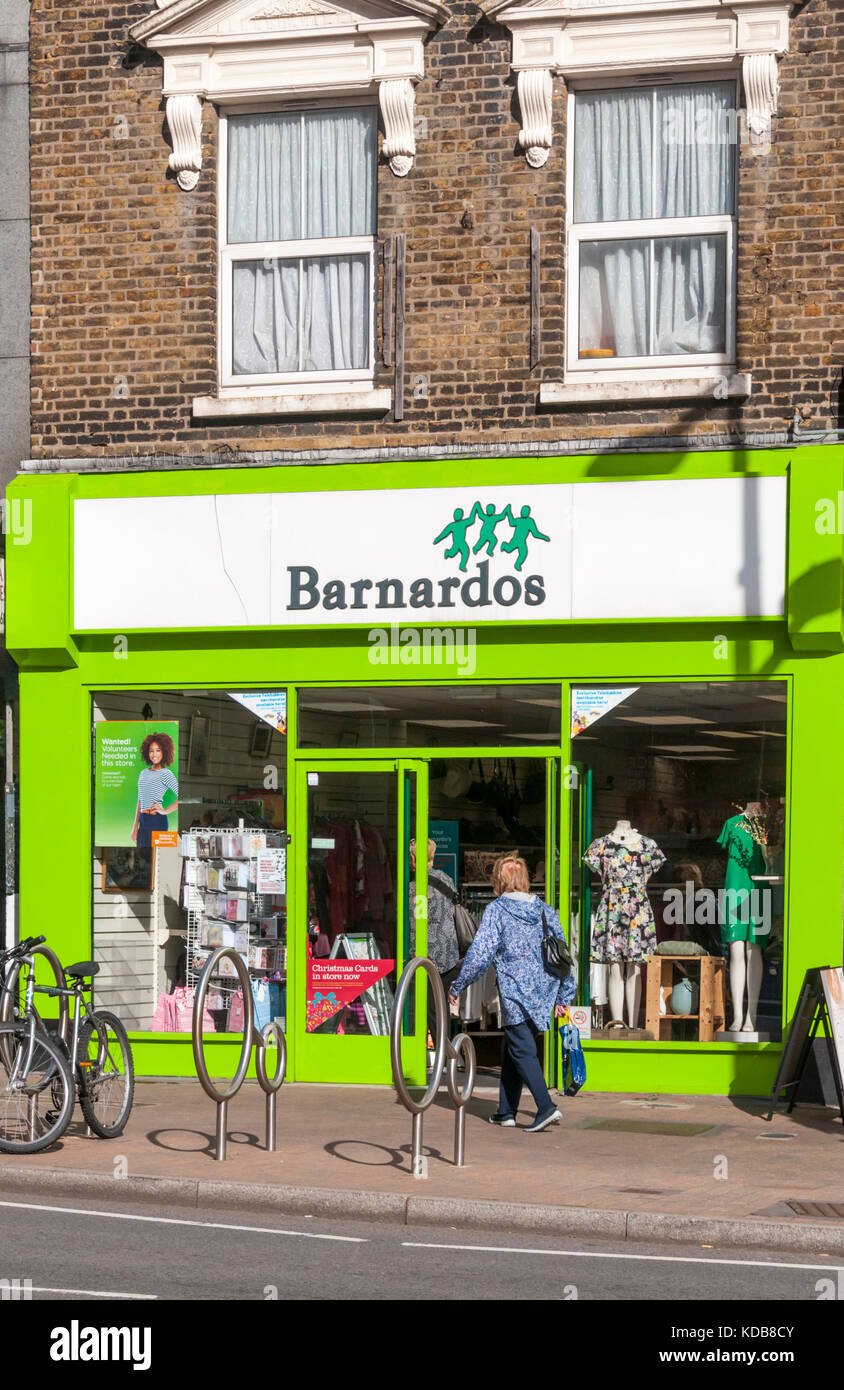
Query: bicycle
{"x": 95, "y": 1063}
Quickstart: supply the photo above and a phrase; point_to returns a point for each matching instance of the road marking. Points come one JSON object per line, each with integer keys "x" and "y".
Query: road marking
{"x": 180, "y": 1221}
{"x": 587, "y": 1255}
{"x": 93, "y": 1293}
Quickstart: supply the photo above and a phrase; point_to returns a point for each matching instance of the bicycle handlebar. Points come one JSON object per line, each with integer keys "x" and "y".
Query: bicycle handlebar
{"x": 23, "y": 947}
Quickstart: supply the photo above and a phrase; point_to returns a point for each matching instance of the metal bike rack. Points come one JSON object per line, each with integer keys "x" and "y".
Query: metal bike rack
{"x": 8, "y": 991}
{"x": 269, "y": 1085}
{"x": 446, "y": 1051}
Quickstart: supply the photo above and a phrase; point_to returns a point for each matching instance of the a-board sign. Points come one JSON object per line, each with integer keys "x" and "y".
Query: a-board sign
{"x": 821, "y": 1003}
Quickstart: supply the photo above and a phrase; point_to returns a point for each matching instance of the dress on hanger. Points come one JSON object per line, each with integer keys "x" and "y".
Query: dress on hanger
{"x": 624, "y": 923}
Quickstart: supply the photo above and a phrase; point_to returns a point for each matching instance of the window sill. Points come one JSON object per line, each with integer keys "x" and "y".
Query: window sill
{"x": 728, "y": 385}
{"x": 305, "y": 403}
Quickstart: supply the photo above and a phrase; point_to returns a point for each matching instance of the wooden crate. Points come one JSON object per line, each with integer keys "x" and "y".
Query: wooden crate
{"x": 660, "y": 982}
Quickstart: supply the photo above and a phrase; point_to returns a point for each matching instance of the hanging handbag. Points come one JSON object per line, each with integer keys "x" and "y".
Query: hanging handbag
{"x": 465, "y": 925}
{"x": 261, "y": 999}
{"x": 556, "y": 956}
{"x": 236, "y": 1015}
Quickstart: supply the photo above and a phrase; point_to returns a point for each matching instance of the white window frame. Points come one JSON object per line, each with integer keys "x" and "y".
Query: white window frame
{"x": 234, "y": 385}
{"x": 674, "y": 366}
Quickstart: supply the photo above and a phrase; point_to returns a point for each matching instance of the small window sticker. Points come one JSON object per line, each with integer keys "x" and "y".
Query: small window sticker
{"x": 313, "y": 779}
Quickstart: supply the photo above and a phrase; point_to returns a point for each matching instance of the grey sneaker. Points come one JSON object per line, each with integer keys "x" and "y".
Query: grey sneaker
{"x": 506, "y": 1121}
{"x": 553, "y": 1117}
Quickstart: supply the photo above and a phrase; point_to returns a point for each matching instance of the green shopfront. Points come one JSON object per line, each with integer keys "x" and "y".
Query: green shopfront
{"x": 245, "y": 694}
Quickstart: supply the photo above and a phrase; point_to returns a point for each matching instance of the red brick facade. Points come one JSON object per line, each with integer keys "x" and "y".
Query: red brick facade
{"x": 124, "y": 262}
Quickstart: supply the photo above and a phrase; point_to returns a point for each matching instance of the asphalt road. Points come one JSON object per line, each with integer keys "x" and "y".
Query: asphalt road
{"x": 76, "y": 1250}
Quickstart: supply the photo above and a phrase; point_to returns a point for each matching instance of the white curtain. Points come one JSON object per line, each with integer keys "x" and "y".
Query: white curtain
{"x": 294, "y": 176}
{"x": 658, "y": 152}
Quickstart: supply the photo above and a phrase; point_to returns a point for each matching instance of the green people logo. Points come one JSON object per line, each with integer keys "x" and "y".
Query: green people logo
{"x": 523, "y": 527}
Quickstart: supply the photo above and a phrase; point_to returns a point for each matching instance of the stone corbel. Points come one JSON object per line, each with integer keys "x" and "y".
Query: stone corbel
{"x": 184, "y": 117}
{"x": 535, "y": 88}
{"x": 761, "y": 85}
{"x": 396, "y": 98}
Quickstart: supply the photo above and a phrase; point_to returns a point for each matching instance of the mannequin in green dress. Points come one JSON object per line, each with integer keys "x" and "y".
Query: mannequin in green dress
{"x": 741, "y": 930}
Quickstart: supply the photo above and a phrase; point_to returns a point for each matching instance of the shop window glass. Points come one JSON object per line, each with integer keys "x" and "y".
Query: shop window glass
{"x": 352, "y": 948}
{"x": 436, "y": 716}
{"x": 679, "y": 858}
{"x": 653, "y": 224}
{"x": 297, "y": 263}
{"x": 189, "y": 817}
{"x": 359, "y": 935}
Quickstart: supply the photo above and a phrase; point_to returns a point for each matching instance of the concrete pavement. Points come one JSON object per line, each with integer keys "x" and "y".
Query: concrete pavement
{"x": 704, "y": 1169}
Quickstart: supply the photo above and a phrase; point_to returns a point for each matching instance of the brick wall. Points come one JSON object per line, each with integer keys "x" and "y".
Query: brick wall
{"x": 124, "y": 262}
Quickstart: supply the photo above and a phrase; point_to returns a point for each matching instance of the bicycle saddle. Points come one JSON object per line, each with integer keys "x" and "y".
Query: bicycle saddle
{"x": 82, "y": 969}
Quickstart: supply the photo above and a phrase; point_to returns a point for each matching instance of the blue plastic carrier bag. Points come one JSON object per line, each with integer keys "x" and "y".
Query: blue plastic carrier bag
{"x": 574, "y": 1062}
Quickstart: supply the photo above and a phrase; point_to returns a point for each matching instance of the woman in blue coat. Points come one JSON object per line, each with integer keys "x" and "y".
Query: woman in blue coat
{"x": 510, "y": 938}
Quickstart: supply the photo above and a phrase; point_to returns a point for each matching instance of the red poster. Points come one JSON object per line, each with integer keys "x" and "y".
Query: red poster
{"x": 334, "y": 983}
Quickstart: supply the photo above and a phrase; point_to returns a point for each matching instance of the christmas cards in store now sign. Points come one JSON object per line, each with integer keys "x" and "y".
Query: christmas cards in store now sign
{"x": 589, "y": 551}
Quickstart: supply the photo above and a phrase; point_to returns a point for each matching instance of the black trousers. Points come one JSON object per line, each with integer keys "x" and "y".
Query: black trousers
{"x": 520, "y": 1067}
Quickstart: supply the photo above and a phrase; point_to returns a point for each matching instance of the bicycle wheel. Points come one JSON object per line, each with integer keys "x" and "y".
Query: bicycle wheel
{"x": 37, "y": 1094}
{"x": 106, "y": 1074}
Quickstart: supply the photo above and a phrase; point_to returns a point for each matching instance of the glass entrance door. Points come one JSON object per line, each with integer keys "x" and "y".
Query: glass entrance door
{"x": 356, "y": 924}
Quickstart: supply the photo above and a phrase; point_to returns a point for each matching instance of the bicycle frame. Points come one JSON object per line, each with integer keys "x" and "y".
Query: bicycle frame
{"x": 81, "y": 1012}
{"x": 35, "y": 1022}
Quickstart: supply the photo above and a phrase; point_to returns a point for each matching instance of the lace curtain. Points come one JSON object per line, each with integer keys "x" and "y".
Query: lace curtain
{"x": 296, "y": 176}
{"x": 654, "y": 153}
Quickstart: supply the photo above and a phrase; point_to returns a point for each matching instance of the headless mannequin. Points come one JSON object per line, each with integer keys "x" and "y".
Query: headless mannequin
{"x": 624, "y": 978}
{"x": 624, "y": 834}
{"x": 745, "y": 969}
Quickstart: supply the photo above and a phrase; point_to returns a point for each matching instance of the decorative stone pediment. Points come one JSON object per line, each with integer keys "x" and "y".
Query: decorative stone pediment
{"x": 291, "y": 14}
{"x": 576, "y": 38}
{"x": 242, "y": 50}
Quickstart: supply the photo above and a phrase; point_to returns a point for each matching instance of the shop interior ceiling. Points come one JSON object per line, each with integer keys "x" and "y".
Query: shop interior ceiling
{"x": 452, "y": 715}
{"x": 700, "y": 721}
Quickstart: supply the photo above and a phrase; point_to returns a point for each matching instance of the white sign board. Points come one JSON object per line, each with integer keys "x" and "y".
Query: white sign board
{"x": 690, "y": 548}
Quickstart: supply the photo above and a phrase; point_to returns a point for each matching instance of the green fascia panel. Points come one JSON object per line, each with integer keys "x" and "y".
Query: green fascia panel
{"x": 816, "y": 549}
{"x": 708, "y": 1069}
{"x": 39, "y": 574}
{"x": 366, "y": 1062}
{"x": 55, "y": 809}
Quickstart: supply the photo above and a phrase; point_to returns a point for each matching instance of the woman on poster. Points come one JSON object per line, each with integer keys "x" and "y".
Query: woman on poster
{"x": 158, "y": 752}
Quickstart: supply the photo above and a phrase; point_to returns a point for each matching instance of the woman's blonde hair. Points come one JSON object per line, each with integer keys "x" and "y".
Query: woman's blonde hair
{"x": 510, "y": 875}
{"x": 432, "y": 849}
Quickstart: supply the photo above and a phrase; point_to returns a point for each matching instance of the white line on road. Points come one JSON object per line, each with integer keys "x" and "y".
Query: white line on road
{"x": 180, "y": 1221}
{"x": 93, "y": 1293}
{"x": 602, "y": 1255}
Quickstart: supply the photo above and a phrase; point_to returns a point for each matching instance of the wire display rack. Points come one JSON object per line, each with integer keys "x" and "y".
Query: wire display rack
{"x": 235, "y": 893}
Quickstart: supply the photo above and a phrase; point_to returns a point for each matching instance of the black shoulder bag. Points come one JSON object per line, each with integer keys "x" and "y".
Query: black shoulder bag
{"x": 556, "y": 956}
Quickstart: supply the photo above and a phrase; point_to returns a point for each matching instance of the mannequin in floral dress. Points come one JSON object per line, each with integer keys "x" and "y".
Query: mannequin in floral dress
{"x": 624, "y": 934}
